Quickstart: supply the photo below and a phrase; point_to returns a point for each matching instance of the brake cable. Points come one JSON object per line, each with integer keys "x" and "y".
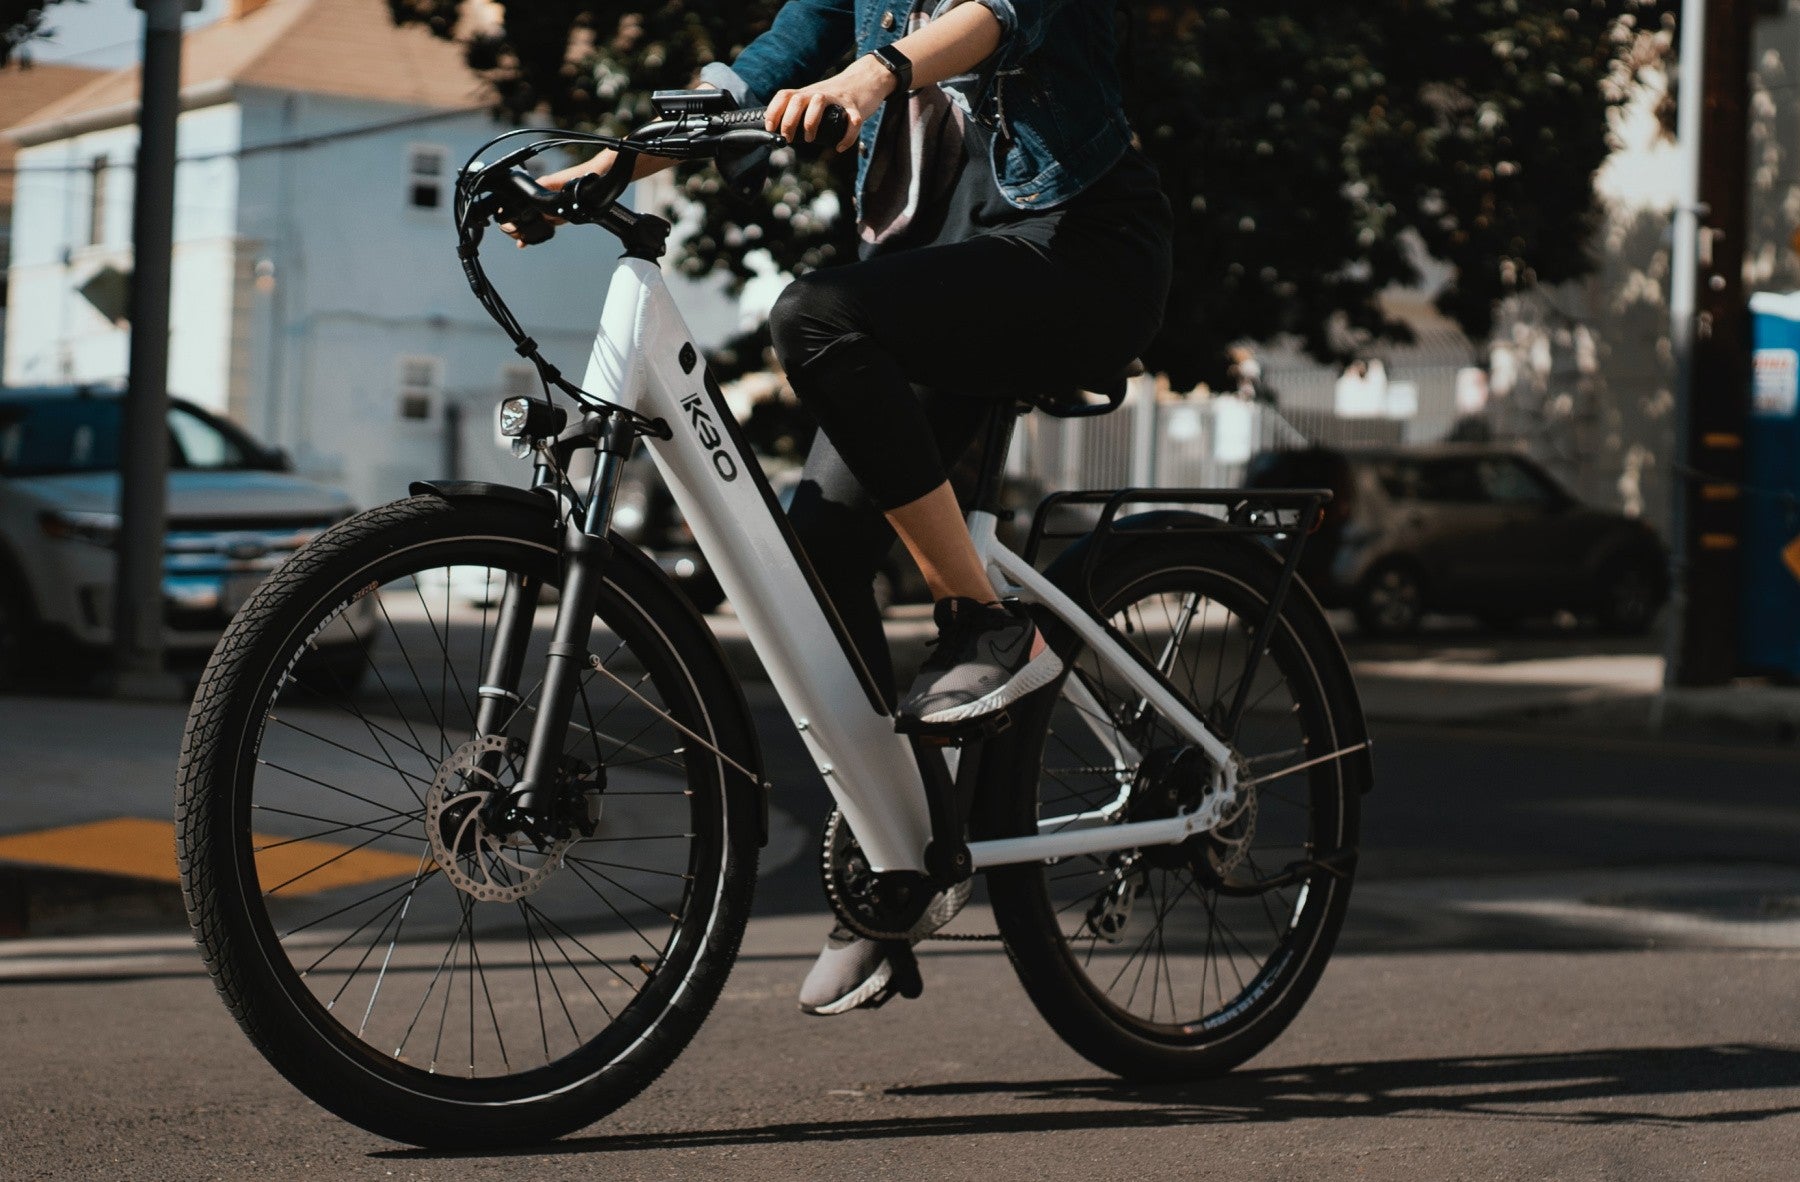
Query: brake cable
{"x": 471, "y": 214}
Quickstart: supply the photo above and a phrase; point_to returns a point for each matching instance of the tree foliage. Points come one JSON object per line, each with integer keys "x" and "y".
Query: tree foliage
{"x": 21, "y": 23}
{"x": 1309, "y": 147}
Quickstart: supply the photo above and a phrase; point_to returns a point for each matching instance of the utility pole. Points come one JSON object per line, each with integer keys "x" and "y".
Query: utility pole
{"x": 144, "y": 455}
{"x": 1710, "y": 329}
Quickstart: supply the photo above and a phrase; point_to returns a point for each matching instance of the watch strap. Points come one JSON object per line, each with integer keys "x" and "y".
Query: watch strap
{"x": 899, "y": 64}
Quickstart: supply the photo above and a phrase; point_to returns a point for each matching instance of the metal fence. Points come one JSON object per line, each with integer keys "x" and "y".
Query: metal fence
{"x": 1201, "y": 443}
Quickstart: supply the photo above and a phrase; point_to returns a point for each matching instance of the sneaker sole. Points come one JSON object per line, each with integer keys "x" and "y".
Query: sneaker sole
{"x": 1043, "y": 669}
{"x": 875, "y": 984}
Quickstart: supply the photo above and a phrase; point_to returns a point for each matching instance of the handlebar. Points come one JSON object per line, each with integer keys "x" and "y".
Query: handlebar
{"x": 690, "y": 125}
{"x": 510, "y": 194}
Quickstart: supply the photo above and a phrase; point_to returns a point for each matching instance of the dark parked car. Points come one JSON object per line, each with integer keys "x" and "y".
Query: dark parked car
{"x": 1466, "y": 529}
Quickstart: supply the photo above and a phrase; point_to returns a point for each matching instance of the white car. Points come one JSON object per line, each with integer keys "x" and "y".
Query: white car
{"x": 234, "y": 514}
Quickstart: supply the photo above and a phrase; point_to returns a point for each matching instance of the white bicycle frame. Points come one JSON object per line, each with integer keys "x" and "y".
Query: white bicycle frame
{"x": 644, "y": 359}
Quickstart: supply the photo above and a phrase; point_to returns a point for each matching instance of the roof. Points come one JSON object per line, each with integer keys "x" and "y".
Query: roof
{"x": 350, "y": 48}
{"x": 25, "y": 89}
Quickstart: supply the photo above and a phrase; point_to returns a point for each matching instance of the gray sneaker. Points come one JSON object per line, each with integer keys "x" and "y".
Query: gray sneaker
{"x": 982, "y": 664}
{"x": 850, "y": 972}
{"x": 853, "y": 972}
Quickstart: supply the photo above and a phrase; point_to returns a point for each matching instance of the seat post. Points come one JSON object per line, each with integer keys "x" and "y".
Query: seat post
{"x": 996, "y": 442}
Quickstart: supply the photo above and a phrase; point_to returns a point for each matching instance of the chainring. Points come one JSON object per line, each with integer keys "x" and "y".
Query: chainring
{"x": 895, "y": 905}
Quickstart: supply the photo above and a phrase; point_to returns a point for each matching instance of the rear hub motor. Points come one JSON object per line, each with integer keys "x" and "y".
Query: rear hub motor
{"x": 1173, "y": 780}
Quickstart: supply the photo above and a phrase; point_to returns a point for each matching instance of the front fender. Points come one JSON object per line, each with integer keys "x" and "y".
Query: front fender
{"x": 465, "y": 490}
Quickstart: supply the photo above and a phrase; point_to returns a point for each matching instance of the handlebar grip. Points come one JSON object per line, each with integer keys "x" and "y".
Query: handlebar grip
{"x": 534, "y": 230}
{"x": 832, "y": 126}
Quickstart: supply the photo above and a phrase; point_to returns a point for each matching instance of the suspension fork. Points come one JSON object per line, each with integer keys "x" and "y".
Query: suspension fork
{"x": 532, "y": 803}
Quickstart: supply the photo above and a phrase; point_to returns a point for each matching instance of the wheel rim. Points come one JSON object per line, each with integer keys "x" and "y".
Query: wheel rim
{"x": 1170, "y": 941}
{"x": 387, "y": 955}
{"x": 1394, "y": 599}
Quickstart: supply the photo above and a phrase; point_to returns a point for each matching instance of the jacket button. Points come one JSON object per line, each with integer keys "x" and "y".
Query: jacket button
{"x": 887, "y": 21}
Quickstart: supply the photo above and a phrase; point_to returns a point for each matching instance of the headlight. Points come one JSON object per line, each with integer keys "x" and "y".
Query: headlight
{"x": 98, "y": 529}
{"x": 514, "y": 414}
{"x": 530, "y": 418}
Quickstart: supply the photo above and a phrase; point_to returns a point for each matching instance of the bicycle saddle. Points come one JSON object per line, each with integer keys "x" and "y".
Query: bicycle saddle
{"x": 1073, "y": 403}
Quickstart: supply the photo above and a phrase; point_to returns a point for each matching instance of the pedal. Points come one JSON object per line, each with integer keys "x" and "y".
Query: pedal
{"x": 905, "y": 981}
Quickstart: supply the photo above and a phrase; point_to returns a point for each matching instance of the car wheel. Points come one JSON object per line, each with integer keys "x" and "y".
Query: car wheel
{"x": 1631, "y": 595}
{"x": 12, "y": 644}
{"x": 1390, "y": 601}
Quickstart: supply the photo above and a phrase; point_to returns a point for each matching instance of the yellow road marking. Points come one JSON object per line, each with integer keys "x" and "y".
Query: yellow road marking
{"x": 138, "y": 848}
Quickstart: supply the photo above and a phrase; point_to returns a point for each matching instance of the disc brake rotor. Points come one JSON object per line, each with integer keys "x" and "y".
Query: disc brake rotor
{"x": 479, "y": 863}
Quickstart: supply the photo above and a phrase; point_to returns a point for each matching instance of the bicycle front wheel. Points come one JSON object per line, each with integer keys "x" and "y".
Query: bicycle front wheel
{"x": 406, "y": 969}
{"x": 1181, "y": 961}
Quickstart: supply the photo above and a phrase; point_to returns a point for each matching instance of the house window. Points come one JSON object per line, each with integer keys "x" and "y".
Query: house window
{"x": 425, "y": 168}
{"x": 421, "y": 381}
{"x": 97, "y": 201}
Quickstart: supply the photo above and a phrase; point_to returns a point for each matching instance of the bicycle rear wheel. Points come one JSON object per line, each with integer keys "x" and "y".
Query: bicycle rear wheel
{"x": 1178, "y": 962}
{"x": 406, "y": 969}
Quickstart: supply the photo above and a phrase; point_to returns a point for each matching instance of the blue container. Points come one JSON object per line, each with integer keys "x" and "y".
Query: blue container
{"x": 1769, "y": 625}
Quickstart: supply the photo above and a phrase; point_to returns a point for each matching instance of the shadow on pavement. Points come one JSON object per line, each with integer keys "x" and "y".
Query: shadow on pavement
{"x": 1497, "y": 1087}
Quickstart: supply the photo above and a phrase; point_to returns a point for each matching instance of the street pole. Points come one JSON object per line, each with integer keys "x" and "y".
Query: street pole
{"x": 144, "y": 455}
{"x": 1710, "y": 335}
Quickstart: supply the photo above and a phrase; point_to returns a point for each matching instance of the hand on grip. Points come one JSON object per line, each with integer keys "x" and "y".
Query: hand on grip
{"x": 816, "y": 116}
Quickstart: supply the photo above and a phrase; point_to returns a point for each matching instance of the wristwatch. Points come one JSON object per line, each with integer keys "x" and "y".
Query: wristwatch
{"x": 898, "y": 64}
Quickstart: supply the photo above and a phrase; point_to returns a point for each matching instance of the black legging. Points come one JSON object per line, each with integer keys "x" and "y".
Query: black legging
{"x": 899, "y": 356}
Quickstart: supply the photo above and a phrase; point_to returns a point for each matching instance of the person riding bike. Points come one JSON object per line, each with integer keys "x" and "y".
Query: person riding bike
{"x": 1013, "y": 240}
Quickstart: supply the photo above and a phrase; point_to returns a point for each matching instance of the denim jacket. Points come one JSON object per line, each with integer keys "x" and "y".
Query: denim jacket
{"x": 1051, "y": 90}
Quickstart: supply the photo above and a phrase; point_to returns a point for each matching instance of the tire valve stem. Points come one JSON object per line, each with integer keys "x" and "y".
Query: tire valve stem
{"x": 638, "y": 963}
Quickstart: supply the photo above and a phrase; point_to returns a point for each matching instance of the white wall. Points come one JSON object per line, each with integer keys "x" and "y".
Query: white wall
{"x": 356, "y": 279}
{"x": 55, "y": 335}
{"x": 303, "y": 277}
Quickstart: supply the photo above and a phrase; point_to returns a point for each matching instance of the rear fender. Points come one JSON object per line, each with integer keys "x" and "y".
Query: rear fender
{"x": 1154, "y": 528}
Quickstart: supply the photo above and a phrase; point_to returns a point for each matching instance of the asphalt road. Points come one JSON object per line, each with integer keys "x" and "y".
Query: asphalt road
{"x": 1568, "y": 957}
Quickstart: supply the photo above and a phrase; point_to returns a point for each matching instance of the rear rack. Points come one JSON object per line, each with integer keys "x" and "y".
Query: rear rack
{"x": 1281, "y": 514}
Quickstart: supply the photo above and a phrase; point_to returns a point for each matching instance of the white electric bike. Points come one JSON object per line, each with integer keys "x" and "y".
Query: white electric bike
{"x": 483, "y": 890}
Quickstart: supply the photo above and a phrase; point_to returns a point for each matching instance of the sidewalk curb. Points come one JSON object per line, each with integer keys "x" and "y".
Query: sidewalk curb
{"x": 46, "y": 901}
{"x": 1729, "y": 714}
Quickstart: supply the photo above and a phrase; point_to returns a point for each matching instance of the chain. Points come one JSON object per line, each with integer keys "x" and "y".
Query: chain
{"x": 966, "y": 937}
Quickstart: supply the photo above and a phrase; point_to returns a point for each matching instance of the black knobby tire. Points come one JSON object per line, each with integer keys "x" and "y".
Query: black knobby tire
{"x": 623, "y": 945}
{"x": 1226, "y": 971}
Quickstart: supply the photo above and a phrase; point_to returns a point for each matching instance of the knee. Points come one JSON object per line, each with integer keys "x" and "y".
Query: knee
{"x": 812, "y": 313}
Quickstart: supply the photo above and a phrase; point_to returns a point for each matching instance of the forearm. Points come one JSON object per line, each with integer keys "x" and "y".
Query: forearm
{"x": 953, "y": 44}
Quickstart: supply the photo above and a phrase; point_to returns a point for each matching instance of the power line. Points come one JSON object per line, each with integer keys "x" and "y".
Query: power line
{"x": 296, "y": 144}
